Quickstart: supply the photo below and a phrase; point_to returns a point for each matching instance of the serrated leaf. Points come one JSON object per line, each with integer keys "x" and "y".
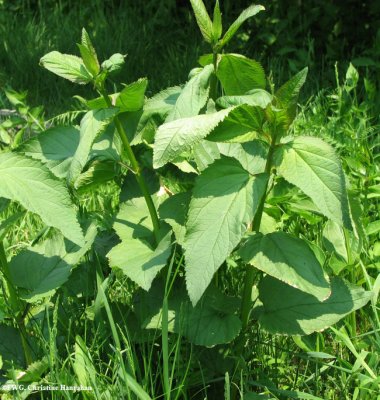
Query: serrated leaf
{"x": 246, "y": 14}
{"x": 287, "y": 259}
{"x": 136, "y": 255}
{"x": 39, "y": 270}
{"x": 217, "y": 23}
{"x": 55, "y": 147}
{"x": 66, "y": 66}
{"x": 256, "y": 97}
{"x": 312, "y": 165}
{"x": 177, "y": 136}
{"x": 193, "y": 96}
{"x": 239, "y": 74}
{"x": 243, "y": 124}
{"x": 287, "y": 95}
{"x": 287, "y": 310}
{"x": 203, "y": 19}
{"x": 224, "y": 200}
{"x": 92, "y": 125}
{"x": 88, "y": 54}
{"x": 30, "y": 183}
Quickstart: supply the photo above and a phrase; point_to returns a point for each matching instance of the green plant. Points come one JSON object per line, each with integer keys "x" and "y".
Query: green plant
{"x": 199, "y": 174}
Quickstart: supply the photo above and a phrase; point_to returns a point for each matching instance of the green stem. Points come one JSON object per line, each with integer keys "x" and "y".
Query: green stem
{"x": 214, "y": 79}
{"x": 165, "y": 330}
{"x": 15, "y": 304}
{"x": 136, "y": 170}
{"x": 251, "y": 270}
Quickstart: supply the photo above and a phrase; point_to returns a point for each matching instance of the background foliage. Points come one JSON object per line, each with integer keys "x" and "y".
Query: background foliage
{"x": 163, "y": 43}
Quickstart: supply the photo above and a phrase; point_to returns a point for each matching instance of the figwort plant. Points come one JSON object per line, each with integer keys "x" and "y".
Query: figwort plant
{"x": 202, "y": 170}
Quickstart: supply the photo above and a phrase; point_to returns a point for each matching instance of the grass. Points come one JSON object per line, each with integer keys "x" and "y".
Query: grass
{"x": 140, "y": 32}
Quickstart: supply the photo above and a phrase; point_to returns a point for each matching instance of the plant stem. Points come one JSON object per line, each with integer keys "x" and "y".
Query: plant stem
{"x": 165, "y": 330}
{"x": 136, "y": 169}
{"x": 250, "y": 270}
{"x": 214, "y": 79}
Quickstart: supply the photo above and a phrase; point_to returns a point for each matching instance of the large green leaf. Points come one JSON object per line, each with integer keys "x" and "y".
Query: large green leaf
{"x": 287, "y": 310}
{"x": 39, "y": 270}
{"x": 203, "y": 19}
{"x": 312, "y": 165}
{"x": 136, "y": 255}
{"x": 55, "y": 148}
{"x": 193, "y": 96}
{"x": 287, "y": 259}
{"x": 211, "y": 322}
{"x": 30, "y": 183}
{"x": 180, "y": 135}
{"x": 66, "y": 66}
{"x": 92, "y": 124}
{"x": 246, "y": 14}
{"x": 224, "y": 200}
{"x": 239, "y": 74}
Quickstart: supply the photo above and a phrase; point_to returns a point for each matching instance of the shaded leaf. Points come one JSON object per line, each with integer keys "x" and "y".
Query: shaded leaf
{"x": 10, "y": 345}
{"x": 211, "y": 322}
{"x": 39, "y": 270}
{"x": 287, "y": 310}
